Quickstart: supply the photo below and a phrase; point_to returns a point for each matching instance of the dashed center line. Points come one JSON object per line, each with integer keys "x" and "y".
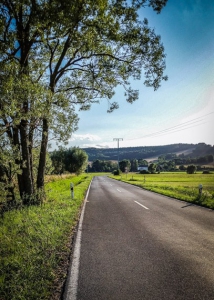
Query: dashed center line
{"x": 141, "y": 205}
{"x": 119, "y": 190}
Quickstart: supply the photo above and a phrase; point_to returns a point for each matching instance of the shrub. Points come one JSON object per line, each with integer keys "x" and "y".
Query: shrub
{"x": 191, "y": 169}
{"x": 117, "y": 172}
{"x": 206, "y": 172}
{"x": 182, "y": 168}
{"x": 144, "y": 172}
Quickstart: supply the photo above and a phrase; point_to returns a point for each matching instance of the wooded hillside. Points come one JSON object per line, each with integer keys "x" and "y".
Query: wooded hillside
{"x": 146, "y": 152}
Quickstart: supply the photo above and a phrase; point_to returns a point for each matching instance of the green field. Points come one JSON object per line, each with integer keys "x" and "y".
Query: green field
{"x": 181, "y": 186}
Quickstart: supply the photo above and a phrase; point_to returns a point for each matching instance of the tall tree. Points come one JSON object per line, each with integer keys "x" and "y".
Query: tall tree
{"x": 76, "y": 160}
{"x": 134, "y": 165}
{"x": 191, "y": 169}
{"x": 60, "y": 54}
{"x": 152, "y": 168}
{"x": 125, "y": 165}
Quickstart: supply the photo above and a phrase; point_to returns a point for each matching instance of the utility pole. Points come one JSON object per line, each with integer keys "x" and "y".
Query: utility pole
{"x": 118, "y": 140}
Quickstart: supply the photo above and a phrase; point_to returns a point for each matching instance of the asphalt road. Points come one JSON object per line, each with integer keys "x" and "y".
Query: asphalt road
{"x": 140, "y": 245}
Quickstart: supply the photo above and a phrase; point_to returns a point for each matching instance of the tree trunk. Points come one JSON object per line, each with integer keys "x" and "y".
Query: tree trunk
{"x": 31, "y": 132}
{"x": 42, "y": 157}
{"x": 17, "y": 161}
{"x": 26, "y": 167}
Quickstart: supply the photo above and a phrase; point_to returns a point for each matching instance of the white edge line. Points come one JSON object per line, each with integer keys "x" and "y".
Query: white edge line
{"x": 73, "y": 274}
{"x": 141, "y": 205}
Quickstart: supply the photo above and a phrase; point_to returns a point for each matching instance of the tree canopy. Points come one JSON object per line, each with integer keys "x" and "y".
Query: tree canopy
{"x": 73, "y": 160}
{"x": 59, "y": 55}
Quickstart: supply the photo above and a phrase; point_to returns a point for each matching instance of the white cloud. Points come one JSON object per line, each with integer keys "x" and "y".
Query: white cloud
{"x": 102, "y": 146}
{"x": 85, "y": 137}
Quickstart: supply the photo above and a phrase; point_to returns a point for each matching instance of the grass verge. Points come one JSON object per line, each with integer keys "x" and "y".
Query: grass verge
{"x": 36, "y": 242}
{"x": 181, "y": 186}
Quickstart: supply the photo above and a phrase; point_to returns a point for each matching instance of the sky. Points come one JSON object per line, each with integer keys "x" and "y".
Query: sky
{"x": 182, "y": 109}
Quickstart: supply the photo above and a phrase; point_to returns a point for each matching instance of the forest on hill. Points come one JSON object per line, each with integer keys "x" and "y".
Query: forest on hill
{"x": 146, "y": 152}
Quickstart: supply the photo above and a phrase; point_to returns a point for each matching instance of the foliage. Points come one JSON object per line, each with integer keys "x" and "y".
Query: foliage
{"x": 58, "y": 160}
{"x": 56, "y": 55}
{"x": 182, "y": 168}
{"x": 144, "y": 172}
{"x": 206, "y": 172}
{"x": 102, "y": 166}
{"x": 76, "y": 160}
{"x": 125, "y": 165}
{"x": 191, "y": 169}
{"x": 140, "y": 153}
{"x": 117, "y": 172}
{"x": 142, "y": 162}
{"x": 134, "y": 165}
{"x": 152, "y": 168}
{"x": 73, "y": 160}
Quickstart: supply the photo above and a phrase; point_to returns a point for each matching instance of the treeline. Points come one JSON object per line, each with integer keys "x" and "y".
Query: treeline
{"x": 195, "y": 150}
{"x": 141, "y": 152}
{"x": 173, "y": 162}
{"x": 167, "y": 163}
{"x": 75, "y": 160}
{"x": 198, "y": 160}
{"x": 110, "y": 166}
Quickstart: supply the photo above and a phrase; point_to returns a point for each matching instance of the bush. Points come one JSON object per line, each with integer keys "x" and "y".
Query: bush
{"x": 117, "y": 172}
{"x": 191, "y": 169}
{"x": 182, "y": 168}
{"x": 144, "y": 172}
{"x": 206, "y": 172}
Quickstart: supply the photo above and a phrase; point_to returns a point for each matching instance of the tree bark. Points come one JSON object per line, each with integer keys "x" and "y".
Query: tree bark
{"x": 17, "y": 161}
{"x": 42, "y": 157}
{"x": 26, "y": 167}
{"x": 31, "y": 133}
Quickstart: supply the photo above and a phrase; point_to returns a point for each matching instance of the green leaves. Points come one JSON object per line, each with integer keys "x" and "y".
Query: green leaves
{"x": 60, "y": 54}
{"x": 73, "y": 160}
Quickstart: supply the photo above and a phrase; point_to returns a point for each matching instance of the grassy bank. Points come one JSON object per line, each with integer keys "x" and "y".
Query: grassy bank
{"x": 181, "y": 186}
{"x": 35, "y": 242}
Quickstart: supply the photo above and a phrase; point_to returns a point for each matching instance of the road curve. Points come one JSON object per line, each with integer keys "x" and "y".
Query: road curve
{"x": 137, "y": 244}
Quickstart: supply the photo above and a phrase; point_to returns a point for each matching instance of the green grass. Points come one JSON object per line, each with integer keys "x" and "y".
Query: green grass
{"x": 35, "y": 242}
{"x": 181, "y": 186}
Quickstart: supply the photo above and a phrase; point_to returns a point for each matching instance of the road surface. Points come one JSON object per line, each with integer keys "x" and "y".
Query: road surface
{"x": 135, "y": 244}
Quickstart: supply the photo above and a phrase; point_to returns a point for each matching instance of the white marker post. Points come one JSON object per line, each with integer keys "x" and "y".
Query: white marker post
{"x": 126, "y": 171}
{"x": 200, "y": 187}
{"x": 72, "y": 190}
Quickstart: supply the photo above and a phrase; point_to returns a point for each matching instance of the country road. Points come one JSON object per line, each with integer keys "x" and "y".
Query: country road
{"x": 135, "y": 244}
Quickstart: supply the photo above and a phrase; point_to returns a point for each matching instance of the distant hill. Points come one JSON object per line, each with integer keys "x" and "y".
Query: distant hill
{"x": 149, "y": 152}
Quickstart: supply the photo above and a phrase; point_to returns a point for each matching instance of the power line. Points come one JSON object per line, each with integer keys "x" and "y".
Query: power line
{"x": 176, "y": 128}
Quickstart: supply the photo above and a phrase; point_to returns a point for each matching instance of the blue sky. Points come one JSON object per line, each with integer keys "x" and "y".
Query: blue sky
{"x": 182, "y": 110}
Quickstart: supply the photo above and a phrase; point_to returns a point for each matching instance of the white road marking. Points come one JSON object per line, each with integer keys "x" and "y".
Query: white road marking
{"x": 72, "y": 280}
{"x": 119, "y": 190}
{"x": 141, "y": 205}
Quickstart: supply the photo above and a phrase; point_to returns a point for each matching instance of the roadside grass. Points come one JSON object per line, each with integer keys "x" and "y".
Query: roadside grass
{"x": 180, "y": 185}
{"x": 36, "y": 241}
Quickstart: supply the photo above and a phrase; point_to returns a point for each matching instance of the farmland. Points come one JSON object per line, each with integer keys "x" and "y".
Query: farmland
{"x": 180, "y": 185}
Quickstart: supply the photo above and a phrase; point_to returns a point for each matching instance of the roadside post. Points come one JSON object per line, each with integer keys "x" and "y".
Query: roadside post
{"x": 72, "y": 190}
{"x": 200, "y": 187}
{"x": 126, "y": 171}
